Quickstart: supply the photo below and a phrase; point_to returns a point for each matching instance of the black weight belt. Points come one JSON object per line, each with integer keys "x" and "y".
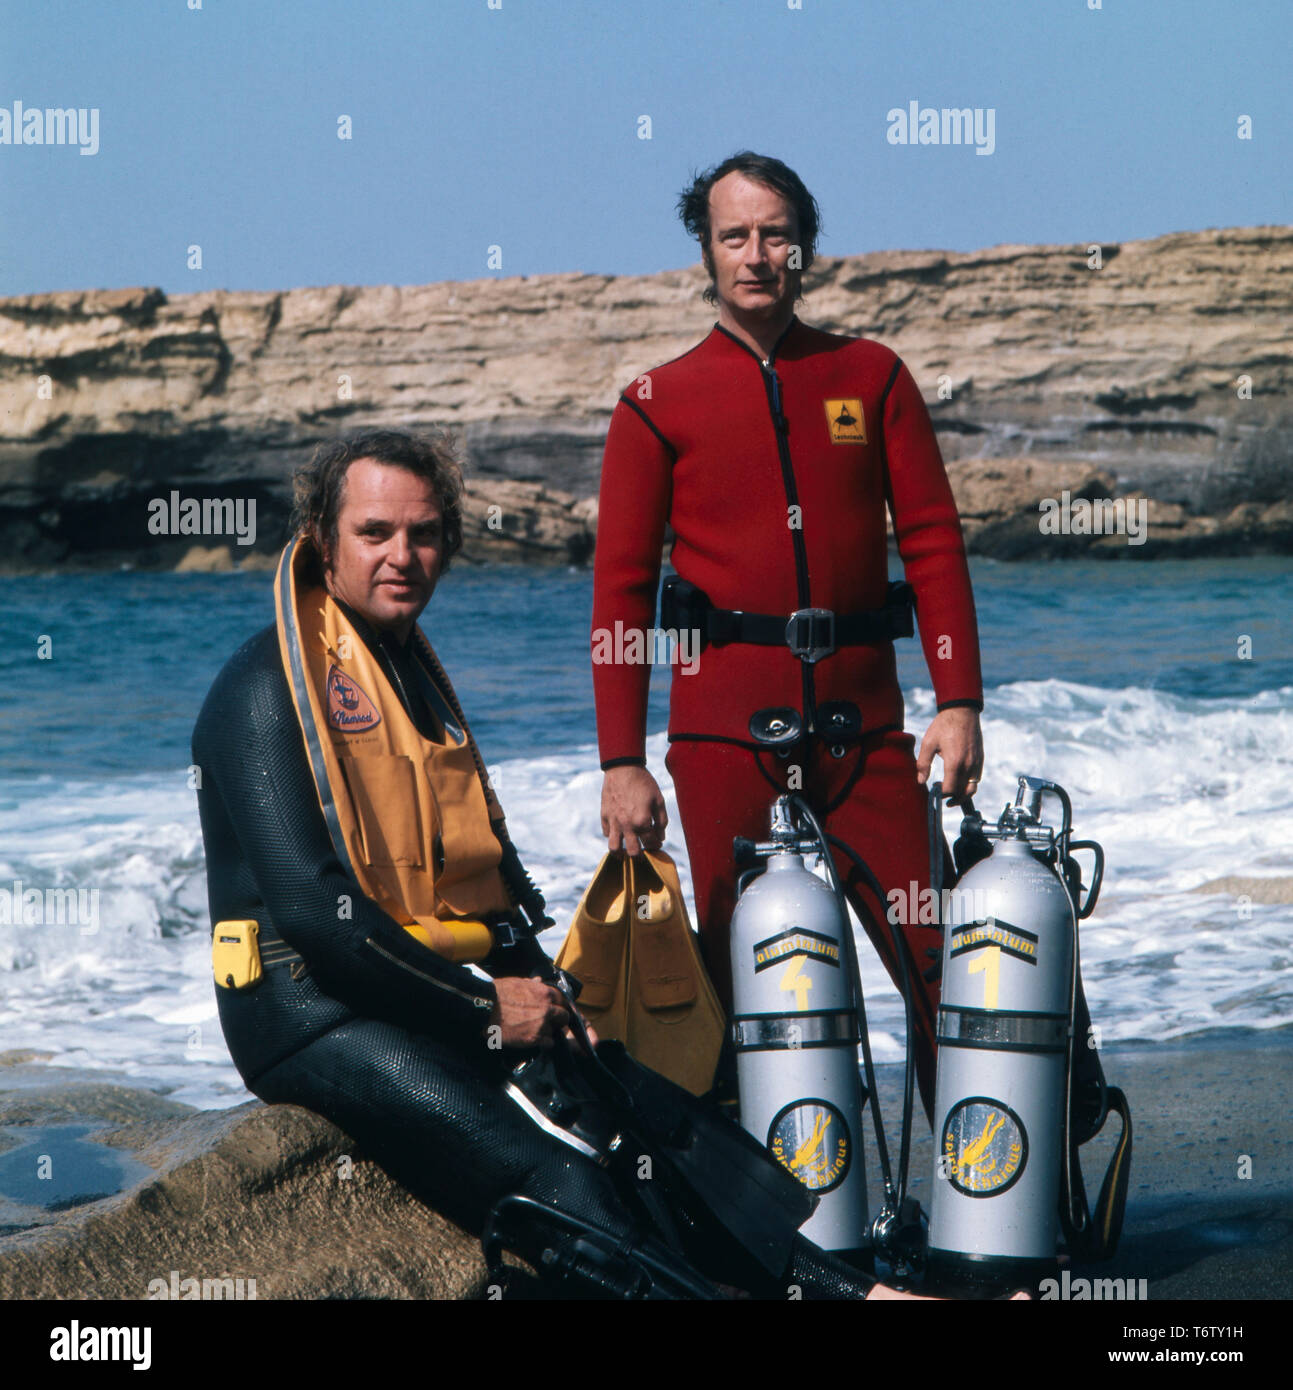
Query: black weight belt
{"x": 809, "y": 633}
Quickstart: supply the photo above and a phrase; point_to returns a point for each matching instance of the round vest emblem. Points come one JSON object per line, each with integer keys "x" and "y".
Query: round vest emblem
{"x": 811, "y": 1140}
{"x": 349, "y": 708}
{"x": 985, "y": 1147}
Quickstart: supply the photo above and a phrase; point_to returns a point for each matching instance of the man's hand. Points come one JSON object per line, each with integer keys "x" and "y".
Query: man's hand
{"x": 633, "y": 814}
{"x": 530, "y": 1013}
{"x": 953, "y": 734}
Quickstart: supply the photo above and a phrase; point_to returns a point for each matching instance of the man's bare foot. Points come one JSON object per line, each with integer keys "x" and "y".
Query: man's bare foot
{"x": 883, "y": 1291}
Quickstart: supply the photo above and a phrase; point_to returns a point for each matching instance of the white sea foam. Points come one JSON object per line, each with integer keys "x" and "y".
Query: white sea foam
{"x": 1179, "y": 792}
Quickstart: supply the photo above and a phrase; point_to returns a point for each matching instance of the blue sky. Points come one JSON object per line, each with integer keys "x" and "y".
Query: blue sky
{"x": 518, "y": 127}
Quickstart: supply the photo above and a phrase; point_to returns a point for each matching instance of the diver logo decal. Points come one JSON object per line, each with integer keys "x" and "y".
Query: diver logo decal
{"x": 349, "y": 709}
{"x": 1013, "y": 941}
{"x": 846, "y": 421}
{"x": 810, "y": 1139}
{"x": 794, "y": 942}
{"x": 985, "y": 1147}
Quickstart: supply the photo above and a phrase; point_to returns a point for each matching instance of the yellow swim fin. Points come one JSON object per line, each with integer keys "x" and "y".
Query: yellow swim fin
{"x": 675, "y": 1022}
{"x": 595, "y": 950}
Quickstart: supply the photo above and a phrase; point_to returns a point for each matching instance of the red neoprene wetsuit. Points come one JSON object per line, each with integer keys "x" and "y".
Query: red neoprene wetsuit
{"x": 775, "y": 479}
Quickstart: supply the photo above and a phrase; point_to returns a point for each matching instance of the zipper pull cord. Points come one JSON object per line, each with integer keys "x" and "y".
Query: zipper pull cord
{"x": 778, "y": 417}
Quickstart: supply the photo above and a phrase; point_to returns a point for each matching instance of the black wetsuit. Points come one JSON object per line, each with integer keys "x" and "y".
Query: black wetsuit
{"x": 379, "y": 1034}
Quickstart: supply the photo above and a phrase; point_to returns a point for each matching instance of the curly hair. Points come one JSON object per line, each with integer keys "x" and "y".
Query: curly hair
{"x": 318, "y": 487}
{"x": 693, "y": 203}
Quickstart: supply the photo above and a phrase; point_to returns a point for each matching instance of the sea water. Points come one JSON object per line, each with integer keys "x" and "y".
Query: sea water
{"x": 1160, "y": 695}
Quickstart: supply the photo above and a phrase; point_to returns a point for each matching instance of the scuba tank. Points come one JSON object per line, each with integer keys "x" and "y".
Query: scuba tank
{"x": 1006, "y": 1038}
{"x": 795, "y": 1029}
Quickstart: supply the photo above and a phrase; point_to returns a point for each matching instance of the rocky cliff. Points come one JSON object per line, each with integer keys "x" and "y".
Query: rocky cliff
{"x": 1165, "y": 371}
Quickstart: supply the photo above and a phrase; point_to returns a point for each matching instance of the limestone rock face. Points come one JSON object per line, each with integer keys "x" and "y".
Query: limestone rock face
{"x": 528, "y": 522}
{"x": 1167, "y": 370}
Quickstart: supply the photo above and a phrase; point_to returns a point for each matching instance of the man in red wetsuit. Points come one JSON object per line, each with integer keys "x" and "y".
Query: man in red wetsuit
{"x": 771, "y": 449}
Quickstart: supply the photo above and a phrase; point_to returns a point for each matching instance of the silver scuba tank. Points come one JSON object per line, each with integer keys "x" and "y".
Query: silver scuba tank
{"x": 1005, "y": 1037}
{"x": 795, "y": 1028}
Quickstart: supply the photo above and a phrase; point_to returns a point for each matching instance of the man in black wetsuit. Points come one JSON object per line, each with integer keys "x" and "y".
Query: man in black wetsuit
{"x": 365, "y": 1012}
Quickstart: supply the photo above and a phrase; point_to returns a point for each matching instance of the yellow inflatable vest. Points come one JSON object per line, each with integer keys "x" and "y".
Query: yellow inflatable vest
{"x": 410, "y": 817}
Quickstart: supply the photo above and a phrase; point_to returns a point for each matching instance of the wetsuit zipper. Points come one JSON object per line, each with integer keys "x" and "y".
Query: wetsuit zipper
{"x": 422, "y": 975}
{"x": 781, "y": 428}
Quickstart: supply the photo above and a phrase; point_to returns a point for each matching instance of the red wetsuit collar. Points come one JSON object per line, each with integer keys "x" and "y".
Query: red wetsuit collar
{"x": 745, "y": 347}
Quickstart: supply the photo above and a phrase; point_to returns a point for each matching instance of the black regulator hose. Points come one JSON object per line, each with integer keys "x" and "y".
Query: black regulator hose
{"x": 892, "y": 1199}
{"x": 934, "y": 821}
{"x": 909, "y": 1070}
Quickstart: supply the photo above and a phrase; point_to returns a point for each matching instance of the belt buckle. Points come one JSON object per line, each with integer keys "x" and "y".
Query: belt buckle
{"x": 810, "y": 633}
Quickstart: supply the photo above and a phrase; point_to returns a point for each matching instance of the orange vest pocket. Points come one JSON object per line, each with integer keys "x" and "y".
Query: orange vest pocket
{"x": 385, "y": 798}
{"x": 465, "y": 882}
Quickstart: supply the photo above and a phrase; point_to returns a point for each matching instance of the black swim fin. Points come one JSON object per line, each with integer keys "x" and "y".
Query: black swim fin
{"x": 742, "y": 1197}
{"x": 574, "y": 1257}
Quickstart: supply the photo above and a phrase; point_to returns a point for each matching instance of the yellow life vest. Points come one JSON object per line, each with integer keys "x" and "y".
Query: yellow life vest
{"x": 410, "y": 818}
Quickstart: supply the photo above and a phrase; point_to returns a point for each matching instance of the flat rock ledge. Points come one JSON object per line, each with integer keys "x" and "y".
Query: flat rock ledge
{"x": 1001, "y": 502}
{"x": 274, "y": 1194}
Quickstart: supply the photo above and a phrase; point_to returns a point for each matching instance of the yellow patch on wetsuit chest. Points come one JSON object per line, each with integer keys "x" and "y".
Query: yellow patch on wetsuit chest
{"x": 846, "y": 421}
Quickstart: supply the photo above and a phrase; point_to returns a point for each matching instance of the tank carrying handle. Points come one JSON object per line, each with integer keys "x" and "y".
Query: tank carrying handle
{"x": 1087, "y": 906}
